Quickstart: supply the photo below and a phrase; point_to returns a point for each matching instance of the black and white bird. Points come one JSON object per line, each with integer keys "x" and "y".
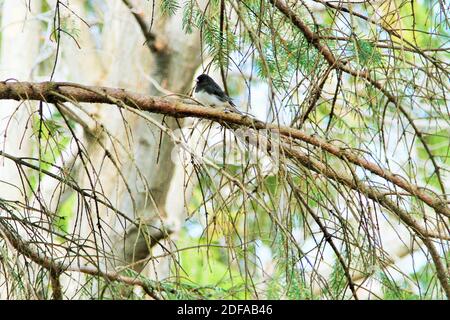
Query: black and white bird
{"x": 208, "y": 92}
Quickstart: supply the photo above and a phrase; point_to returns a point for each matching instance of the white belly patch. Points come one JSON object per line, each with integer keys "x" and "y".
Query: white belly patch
{"x": 208, "y": 99}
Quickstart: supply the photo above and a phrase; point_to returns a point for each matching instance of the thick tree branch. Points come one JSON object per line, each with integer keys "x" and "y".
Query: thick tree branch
{"x": 314, "y": 39}
{"x": 378, "y": 197}
{"x": 52, "y": 92}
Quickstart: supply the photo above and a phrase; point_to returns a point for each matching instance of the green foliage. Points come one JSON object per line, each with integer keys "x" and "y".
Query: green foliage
{"x": 208, "y": 268}
{"x": 169, "y": 7}
{"x": 439, "y": 146}
{"x": 426, "y": 278}
{"x": 367, "y": 53}
{"x": 219, "y": 44}
{"x": 193, "y": 17}
{"x": 64, "y": 214}
{"x": 188, "y": 16}
{"x": 221, "y": 261}
{"x": 421, "y": 284}
{"x": 284, "y": 53}
{"x": 288, "y": 280}
{"x": 394, "y": 290}
{"x": 51, "y": 139}
{"x": 338, "y": 282}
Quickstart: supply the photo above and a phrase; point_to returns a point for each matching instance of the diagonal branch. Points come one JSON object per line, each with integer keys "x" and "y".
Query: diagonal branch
{"x": 314, "y": 39}
{"x": 376, "y": 196}
{"x": 150, "y": 38}
{"x": 52, "y": 92}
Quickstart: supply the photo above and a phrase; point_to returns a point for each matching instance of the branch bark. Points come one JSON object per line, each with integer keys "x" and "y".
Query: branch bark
{"x": 314, "y": 39}
{"x": 52, "y": 92}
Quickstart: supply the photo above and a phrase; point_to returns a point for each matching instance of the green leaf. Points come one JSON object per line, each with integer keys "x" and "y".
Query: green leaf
{"x": 169, "y": 7}
{"x": 367, "y": 53}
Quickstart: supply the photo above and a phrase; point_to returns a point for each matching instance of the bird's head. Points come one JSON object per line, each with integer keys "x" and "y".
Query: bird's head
{"x": 203, "y": 78}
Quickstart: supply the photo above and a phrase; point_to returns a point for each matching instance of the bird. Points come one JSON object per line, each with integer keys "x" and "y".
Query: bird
{"x": 208, "y": 92}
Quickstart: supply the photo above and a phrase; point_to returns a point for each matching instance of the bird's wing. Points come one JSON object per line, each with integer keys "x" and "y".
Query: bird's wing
{"x": 214, "y": 87}
{"x": 223, "y": 96}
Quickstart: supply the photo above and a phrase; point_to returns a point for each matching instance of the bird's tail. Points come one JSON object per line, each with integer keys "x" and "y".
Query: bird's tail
{"x": 232, "y": 107}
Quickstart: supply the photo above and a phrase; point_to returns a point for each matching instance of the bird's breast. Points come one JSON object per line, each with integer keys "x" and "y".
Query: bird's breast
{"x": 208, "y": 99}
